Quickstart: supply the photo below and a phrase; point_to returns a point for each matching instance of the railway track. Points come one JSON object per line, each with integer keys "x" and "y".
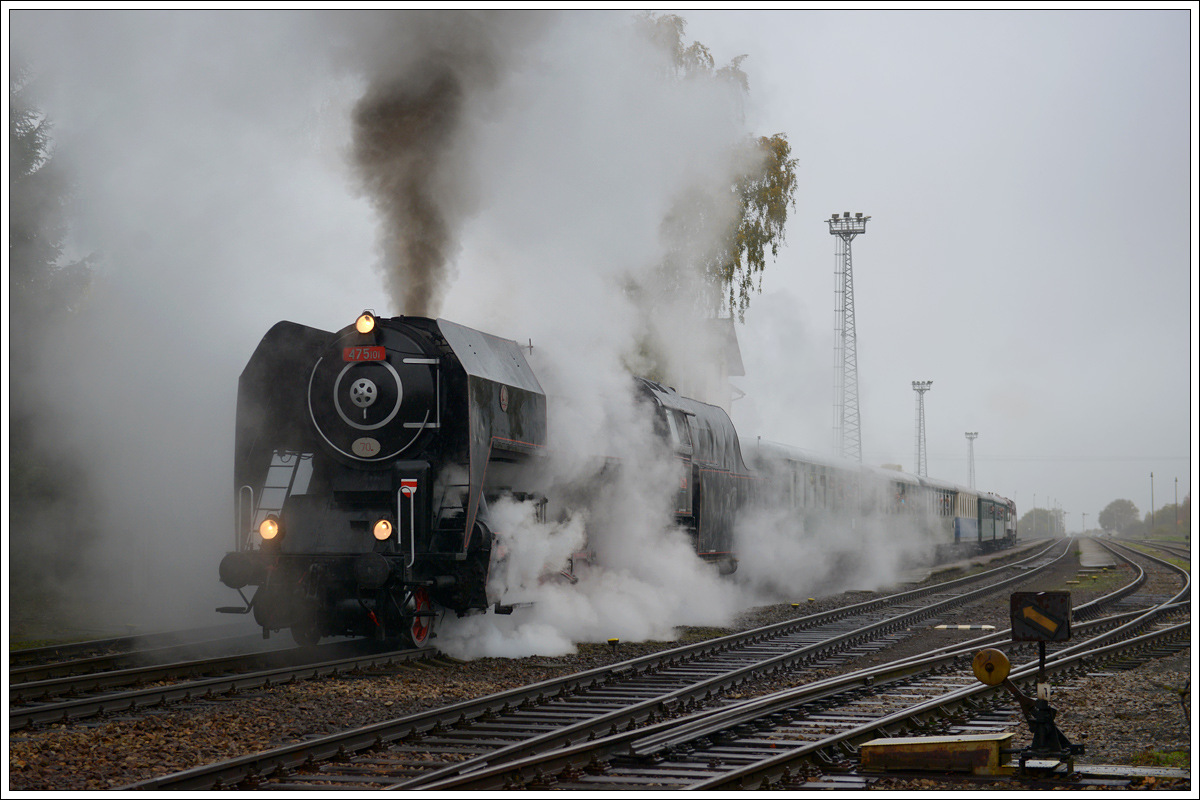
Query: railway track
{"x": 71, "y": 697}
{"x": 116, "y": 648}
{"x": 1179, "y": 550}
{"x": 556, "y": 713}
{"x": 808, "y": 737}
{"x": 494, "y": 748}
{"x": 73, "y": 675}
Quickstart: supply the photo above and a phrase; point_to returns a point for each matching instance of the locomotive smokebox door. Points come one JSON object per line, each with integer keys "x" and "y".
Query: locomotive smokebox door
{"x": 1040, "y": 616}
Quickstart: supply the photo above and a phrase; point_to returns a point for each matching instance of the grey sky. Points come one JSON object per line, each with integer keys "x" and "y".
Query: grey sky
{"x": 1028, "y": 175}
{"x": 1030, "y": 183}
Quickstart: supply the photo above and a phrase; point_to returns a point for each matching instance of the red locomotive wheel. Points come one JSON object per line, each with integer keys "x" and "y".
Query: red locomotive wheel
{"x": 421, "y": 626}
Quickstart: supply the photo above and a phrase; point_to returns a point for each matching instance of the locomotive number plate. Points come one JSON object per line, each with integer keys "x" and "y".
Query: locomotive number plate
{"x": 375, "y": 353}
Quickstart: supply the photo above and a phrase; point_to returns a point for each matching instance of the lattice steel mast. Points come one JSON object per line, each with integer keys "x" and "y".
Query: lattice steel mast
{"x": 971, "y": 456}
{"x": 847, "y": 438}
{"x": 921, "y": 387}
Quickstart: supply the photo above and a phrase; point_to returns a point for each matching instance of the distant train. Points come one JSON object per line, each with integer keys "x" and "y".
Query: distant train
{"x": 366, "y": 461}
{"x": 823, "y": 492}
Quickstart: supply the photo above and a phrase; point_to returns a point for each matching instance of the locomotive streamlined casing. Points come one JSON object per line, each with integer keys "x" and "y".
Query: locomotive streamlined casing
{"x": 341, "y": 433}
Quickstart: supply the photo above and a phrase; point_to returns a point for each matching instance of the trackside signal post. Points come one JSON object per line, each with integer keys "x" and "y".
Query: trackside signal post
{"x": 1036, "y": 617}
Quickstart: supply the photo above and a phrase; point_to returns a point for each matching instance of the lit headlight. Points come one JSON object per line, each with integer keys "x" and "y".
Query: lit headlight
{"x": 382, "y": 530}
{"x": 365, "y": 322}
{"x": 269, "y": 528}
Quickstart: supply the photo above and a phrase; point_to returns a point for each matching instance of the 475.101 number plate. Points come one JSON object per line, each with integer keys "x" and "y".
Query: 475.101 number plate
{"x": 373, "y": 353}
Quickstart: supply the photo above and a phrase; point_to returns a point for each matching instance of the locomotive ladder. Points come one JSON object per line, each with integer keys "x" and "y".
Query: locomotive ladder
{"x": 278, "y": 485}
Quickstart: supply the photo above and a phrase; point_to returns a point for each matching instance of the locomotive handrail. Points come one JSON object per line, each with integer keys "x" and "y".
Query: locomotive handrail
{"x": 412, "y": 523}
{"x": 240, "y": 530}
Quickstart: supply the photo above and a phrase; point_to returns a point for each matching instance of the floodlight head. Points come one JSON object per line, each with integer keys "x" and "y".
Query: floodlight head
{"x": 847, "y": 226}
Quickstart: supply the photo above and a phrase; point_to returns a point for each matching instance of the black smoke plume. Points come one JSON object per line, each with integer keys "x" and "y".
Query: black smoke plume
{"x": 428, "y": 75}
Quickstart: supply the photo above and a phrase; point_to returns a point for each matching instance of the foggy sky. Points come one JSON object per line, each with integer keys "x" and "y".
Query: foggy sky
{"x": 1031, "y": 195}
{"x": 1027, "y": 175}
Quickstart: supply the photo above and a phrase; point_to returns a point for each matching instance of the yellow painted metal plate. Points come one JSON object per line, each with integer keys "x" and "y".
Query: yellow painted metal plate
{"x": 979, "y": 754}
{"x": 990, "y": 666}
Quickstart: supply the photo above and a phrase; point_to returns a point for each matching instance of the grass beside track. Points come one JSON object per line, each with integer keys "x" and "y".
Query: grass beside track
{"x": 1107, "y": 580}
{"x": 1178, "y": 759}
{"x": 1150, "y": 550}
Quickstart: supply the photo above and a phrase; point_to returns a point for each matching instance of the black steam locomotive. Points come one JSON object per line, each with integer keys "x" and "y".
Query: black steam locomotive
{"x": 366, "y": 460}
{"x": 364, "y": 463}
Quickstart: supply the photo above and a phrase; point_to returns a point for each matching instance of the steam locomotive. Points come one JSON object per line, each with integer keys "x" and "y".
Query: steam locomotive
{"x": 366, "y": 460}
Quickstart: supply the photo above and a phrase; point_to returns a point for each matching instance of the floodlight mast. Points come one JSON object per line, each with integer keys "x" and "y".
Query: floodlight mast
{"x": 971, "y": 456}
{"x": 921, "y": 387}
{"x": 847, "y": 436}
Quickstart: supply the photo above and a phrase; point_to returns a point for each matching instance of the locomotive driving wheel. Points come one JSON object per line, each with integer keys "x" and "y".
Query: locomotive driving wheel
{"x": 306, "y": 634}
{"x": 419, "y": 626}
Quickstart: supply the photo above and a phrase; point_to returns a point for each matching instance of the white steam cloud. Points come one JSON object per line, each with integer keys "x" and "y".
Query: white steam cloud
{"x": 220, "y": 176}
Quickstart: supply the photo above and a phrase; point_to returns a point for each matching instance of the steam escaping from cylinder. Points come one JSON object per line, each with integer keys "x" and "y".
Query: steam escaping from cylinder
{"x": 633, "y": 574}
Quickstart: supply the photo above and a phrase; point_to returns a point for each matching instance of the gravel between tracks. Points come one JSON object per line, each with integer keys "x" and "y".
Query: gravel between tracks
{"x": 1129, "y": 718}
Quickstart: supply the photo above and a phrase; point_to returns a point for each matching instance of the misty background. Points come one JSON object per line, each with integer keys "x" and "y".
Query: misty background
{"x": 1030, "y": 249}
{"x": 1027, "y": 175}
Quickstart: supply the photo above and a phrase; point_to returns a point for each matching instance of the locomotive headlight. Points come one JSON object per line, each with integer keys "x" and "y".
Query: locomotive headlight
{"x": 365, "y": 322}
{"x": 270, "y": 528}
{"x": 382, "y": 530}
